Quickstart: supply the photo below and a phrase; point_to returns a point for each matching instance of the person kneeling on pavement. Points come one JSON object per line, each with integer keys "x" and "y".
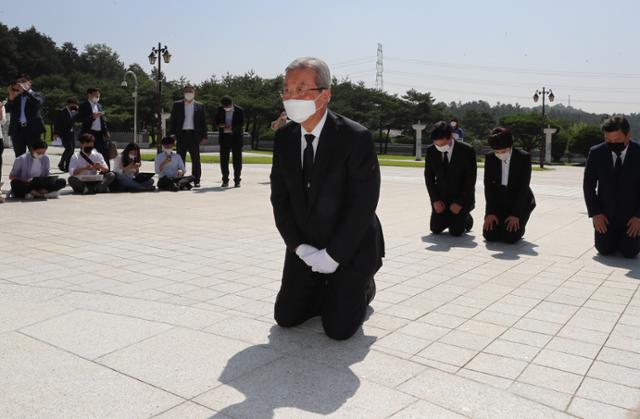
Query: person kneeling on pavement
{"x": 170, "y": 168}
{"x": 88, "y": 170}
{"x": 127, "y": 168}
{"x": 30, "y": 177}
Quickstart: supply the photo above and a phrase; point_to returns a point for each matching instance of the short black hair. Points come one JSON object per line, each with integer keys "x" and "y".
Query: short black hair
{"x": 188, "y": 86}
{"x": 39, "y": 144}
{"x": 72, "y": 100}
{"x": 441, "y": 130}
{"x": 454, "y": 119}
{"x": 500, "y": 138}
{"x": 168, "y": 140}
{"x": 616, "y": 123}
{"x": 92, "y": 90}
{"x": 226, "y": 101}
{"x": 86, "y": 138}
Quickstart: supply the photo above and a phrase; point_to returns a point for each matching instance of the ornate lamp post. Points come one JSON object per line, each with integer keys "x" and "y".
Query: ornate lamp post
{"x": 156, "y": 54}
{"x": 536, "y": 96}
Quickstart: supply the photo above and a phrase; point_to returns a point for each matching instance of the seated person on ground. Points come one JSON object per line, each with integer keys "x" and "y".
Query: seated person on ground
{"x": 30, "y": 177}
{"x": 170, "y": 168}
{"x": 126, "y": 165}
{"x": 88, "y": 171}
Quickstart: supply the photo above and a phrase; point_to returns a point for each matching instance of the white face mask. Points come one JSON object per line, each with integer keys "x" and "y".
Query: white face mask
{"x": 443, "y": 148}
{"x": 38, "y": 156}
{"x": 168, "y": 150}
{"x": 132, "y": 156}
{"x": 228, "y": 109}
{"x": 95, "y": 100}
{"x": 504, "y": 156}
{"x": 299, "y": 110}
{"x": 189, "y": 96}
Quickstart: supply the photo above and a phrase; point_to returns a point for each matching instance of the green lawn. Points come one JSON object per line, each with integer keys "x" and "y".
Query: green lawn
{"x": 216, "y": 159}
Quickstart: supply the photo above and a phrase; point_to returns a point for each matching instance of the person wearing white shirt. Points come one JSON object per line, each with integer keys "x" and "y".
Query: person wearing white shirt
{"x": 171, "y": 169}
{"x": 30, "y": 174}
{"x": 89, "y": 162}
{"x": 509, "y": 199}
{"x": 3, "y": 121}
{"x": 91, "y": 115}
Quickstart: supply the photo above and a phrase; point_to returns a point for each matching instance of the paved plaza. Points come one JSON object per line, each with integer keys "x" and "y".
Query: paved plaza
{"x": 161, "y": 305}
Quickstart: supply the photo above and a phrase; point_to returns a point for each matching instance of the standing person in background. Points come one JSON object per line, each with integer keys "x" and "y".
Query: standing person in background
{"x": 281, "y": 121}
{"x": 24, "y": 106}
{"x": 63, "y": 129}
{"x": 91, "y": 115}
{"x": 230, "y": 122}
{"x": 188, "y": 124}
{"x": 3, "y": 121}
{"x": 450, "y": 176}
{"x": 456, "y": 131}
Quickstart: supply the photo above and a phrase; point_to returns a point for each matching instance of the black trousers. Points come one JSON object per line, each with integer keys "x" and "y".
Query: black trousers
{"x": 228, "y": 144}
{"x": 101, "y": 146}
{"x": 24, "y": 138}
{"x": 175, "y": 184}
{"x": 616, "y": 238}
{"x": 457, "y": 224}
{"x": 1, "y": 151}
{"x": 187, "y": 141}
{"x": 339, "y": 298}
{"x": 21, "y": 188}
{"x": 69, "y": 147}
{"x": 499, "y": 231}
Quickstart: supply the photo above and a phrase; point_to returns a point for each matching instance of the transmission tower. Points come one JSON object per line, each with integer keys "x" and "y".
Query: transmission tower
{"x": 379, "y": 84}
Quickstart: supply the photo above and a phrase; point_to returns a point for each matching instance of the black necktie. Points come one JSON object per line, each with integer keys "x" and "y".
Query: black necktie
{"x": 445, "y": 162}
{"x": 307, "y": 167}
{"x": 617, "y": 169}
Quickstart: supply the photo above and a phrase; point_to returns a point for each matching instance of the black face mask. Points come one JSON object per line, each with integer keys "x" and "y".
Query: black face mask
{"x": 616, "y": 147}
{"x": 87, "y": 149}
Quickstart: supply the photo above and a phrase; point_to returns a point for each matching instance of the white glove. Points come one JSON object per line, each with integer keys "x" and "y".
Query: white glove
{"x": 305, "y": 250}
{"x": 321, "y": 262}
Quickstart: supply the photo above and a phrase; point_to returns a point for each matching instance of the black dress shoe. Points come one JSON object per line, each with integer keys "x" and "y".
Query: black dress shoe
{"x": 371, "y": 291}
{"x": 469, "y": 223}
{"x": 196, "y": 184}
{"x": 225, "y": 184}
{"x": 236, "y": 184}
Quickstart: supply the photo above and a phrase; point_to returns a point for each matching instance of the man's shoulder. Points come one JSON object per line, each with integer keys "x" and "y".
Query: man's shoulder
{"x": 598, "y": 148}
{"x": 347, "y": 124}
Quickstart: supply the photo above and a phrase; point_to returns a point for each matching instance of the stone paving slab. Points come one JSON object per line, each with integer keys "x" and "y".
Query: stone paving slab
{"x": 160, "y": 305}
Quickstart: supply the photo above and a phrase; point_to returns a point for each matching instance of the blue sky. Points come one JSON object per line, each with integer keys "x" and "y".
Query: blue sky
{"x": 463, "y": 50}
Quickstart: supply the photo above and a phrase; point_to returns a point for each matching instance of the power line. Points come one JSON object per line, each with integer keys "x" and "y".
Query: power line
{"x": 513, "y": 69}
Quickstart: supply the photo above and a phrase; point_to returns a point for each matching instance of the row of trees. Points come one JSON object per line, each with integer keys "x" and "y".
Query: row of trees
{"x": 63, "y": 71}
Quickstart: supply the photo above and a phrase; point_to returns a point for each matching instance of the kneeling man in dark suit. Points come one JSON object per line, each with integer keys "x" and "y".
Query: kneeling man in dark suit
{"x": 450, "y": 175}
{"x": 507, "y": 174}
{"x": 612, "y": 190}
{"x": 325, "y": 185}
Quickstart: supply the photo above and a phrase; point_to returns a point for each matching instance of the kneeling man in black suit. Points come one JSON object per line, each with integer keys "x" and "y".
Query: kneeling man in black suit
{"x": 507, "y": 174}
{"x": 612, "y": 190}
{"x": 325, "y": 185}
{"x": 450, "y": 175}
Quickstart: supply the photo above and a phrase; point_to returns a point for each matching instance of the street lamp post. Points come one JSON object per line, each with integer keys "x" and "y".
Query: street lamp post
{"x": 135, "y": 101}
{"x": 156, "y": 54}
{"x": 536, "y": 97}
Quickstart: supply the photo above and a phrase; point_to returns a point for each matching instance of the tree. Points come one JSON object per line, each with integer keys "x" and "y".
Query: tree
{"x": 584, "y": 137}
{"x": 525, "y": 128}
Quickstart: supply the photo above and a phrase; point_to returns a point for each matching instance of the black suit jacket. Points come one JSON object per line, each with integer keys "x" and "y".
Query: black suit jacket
{"x": 618, "y": 200}
{"x": 85, "y": 116}
{"x": 63, "y": 124}
{"x": 32, "y": 111}
{"x": 517, "y": 198}
{"x": 459, "y": 183}
{"x": 345, "y": 187}
{"x": 237, "y": 122}
{"x": 199, "y": 119}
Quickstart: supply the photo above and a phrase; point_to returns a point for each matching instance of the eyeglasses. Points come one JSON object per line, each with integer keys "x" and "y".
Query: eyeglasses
{"x": 299, "y": 91}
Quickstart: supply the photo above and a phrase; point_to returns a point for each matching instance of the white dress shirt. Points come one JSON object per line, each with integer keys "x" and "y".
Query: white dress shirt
{"x": 171, "y": 169}
{"x": 316, "y": 133}
{"x": 36, "y": 168}
{"x": 188, "y": 115}
{"x": 505, "y": 170}
{"x": 623, "y": 154}
{"x": 96, "y": 125}
{"x": 78, "y": 162}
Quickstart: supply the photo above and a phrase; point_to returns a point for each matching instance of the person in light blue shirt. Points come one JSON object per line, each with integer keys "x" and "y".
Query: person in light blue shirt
{"x": 30, "y": 174}
{"x": 171, "y": 169}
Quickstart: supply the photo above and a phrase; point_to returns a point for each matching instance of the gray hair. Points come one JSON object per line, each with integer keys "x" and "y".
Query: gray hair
{"x": 320, "y": 68}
